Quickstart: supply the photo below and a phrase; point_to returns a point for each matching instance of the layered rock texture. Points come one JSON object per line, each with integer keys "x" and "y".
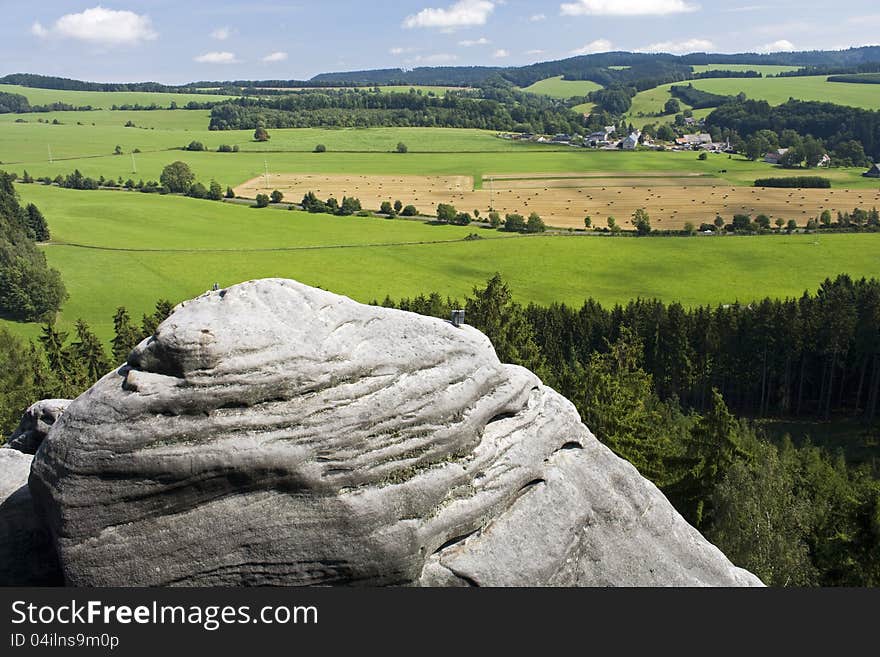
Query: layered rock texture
{"x": 275, "y": 434}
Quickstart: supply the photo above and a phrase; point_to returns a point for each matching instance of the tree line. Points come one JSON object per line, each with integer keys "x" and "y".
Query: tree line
{"x": 18, "y": 104}
{"x": 835, "y": 125}
{"x": 817, "y": 356}
{"x": 29, "y": 288}
{"x": 495, "y": 108}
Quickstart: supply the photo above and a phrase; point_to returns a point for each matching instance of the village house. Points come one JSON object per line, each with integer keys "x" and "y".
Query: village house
{"x": 825, "y": 161}
{"x": 694, "y": 141}
{"x": 600, "y": 137}
{"x": 632, "y": 142}
{"x": 773, "y": 157}
{"x": 873, "y": 172}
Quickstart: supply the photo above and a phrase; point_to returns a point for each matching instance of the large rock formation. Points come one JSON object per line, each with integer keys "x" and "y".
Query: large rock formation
{"x": 275, "y": 434}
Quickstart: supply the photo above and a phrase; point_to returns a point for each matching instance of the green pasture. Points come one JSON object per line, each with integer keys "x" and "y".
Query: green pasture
{"x": 559, "y": 88}
{"x": 584, "y": 108}
{"x": 104, "y": 99}
{"x": 759, "y": 68}
{"x": 202, "y": 242}
{"x": 179, "y": 120}
{"x": 778, "y": 90}
{"x": 90, "y": 148}
{"x": 647, "y": 106}
{"x": 511, "y": 158}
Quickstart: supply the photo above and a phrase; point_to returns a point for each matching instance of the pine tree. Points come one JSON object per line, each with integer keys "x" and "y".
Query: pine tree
{"x": 89, "y": 353}
{"x": 493, "y": 311}
{"x": 37, "y": 223}
{"x": 127, "y": 335}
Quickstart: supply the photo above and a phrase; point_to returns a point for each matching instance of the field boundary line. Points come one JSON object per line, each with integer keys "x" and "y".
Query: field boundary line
{"x": 271, "y": 249}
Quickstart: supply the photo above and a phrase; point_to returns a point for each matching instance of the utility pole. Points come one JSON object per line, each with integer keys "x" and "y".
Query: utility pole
{"x": 266, "y": 162}
{"x": 50, "y": 154}
{"x": 134, "y": 168}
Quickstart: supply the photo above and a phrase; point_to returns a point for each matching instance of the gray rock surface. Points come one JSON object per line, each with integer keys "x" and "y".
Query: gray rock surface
{"x": 27, "y": 556}
{"x": 275, "y": 434}
{"x": 35, "y": 424}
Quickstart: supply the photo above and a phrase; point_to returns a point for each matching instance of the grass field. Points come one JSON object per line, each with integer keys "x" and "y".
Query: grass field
{"x": 759, "y": 68}
{"x": 778, "y": 90}
{"x": 648, "y": 105}
{"x": 350, "y": 151}
{"x": 559, "y": 88}
{"x": 197, "y": 243}
{"x": 26, "y": 145}
{"x": 104, "y": 99}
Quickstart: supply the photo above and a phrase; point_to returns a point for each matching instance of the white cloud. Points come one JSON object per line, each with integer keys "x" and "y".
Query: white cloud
{"x": 537, "y": 18}
{"x": 433, "y": 60}
{"x": 599, "y": 45}
{"x": 217, "y": 58}
{"x": 274, "y": 57}
{"x": 100, "y": 26}
{"x": 626, "y": 7}
{"x": 467, "y": 43}
{"x": 464, "y": 13}
{"x": 221, "y": 33}
{"x": 536, "y": 51}
{"x": 681, "y": 47}
{"x": 783, "y": 45}
{"x": 501, "y": 53}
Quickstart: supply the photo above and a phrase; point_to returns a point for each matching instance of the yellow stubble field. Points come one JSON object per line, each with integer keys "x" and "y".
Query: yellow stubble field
{"x": 563, "y": 200}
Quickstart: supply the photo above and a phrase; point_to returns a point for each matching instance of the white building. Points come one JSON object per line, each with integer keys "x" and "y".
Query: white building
{"x": 632, "y": 142}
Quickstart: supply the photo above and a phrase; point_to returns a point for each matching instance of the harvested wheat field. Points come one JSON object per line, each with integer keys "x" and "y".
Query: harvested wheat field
{"x": 563, "y": 200}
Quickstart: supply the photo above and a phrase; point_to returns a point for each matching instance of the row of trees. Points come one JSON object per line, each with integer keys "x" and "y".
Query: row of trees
{"x": 494, "y": 108}
{"x": 18, "y": 104}
{"x": 348, "y": 207}
{"x": 512, "y": 223}
{"x": 176, "y": 178}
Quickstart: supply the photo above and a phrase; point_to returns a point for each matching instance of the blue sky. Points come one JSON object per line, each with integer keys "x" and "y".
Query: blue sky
{"x": 175, "y": 41}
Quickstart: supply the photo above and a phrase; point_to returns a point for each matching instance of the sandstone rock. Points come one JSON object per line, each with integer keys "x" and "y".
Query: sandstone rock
{"x": 35, "y": 424}
{"x": 274, "y": 434}
{"x": 27, "y": 557}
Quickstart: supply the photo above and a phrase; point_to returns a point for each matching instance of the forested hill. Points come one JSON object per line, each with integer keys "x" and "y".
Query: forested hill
{"x": 596, "y": 67}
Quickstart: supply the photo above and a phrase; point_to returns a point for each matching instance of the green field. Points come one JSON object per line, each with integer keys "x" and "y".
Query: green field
{"x": 559, "y": 88}
{"x": 647, "y": 105}
{"x": 179, "y": 247}
{"x": 778, "y": 90}
{"x": 760, "y": 68}
{"x": 104, "y": 99}
{"x": 584, "y": 108}
{"x": 235, "y": 168}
